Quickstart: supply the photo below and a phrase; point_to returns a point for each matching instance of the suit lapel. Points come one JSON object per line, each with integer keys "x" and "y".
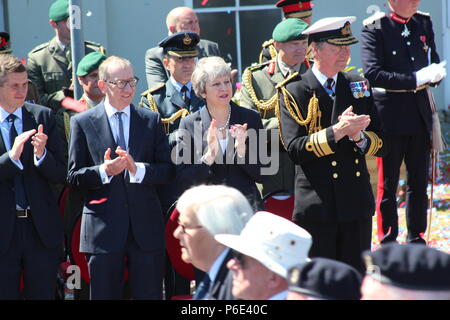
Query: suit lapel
{"x": 340, "y": 102}
{"x": 196, "y": 102}
{"x": 221, "y": 275}
{"x": 325, "y": 101}
{"x": 206, "y": 122}
{"x": 2, "y": 145}
{"x": 136, "y": 130}
{"x": 316, "y": 87}
{"x": 175, "y": 96}
{"x": 28, "y": 123}
{"x": 100, "y": 124}
{"x": 277, "y": 77}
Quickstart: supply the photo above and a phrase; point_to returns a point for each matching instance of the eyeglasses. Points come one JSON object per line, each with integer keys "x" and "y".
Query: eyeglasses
{"x": 184, "y": 228}
{"x": 121, "y": 84}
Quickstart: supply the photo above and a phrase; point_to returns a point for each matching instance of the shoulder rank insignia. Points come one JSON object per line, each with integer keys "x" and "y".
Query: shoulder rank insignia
{"x": 373, "y": 18}
{"x": 153, "y": 89}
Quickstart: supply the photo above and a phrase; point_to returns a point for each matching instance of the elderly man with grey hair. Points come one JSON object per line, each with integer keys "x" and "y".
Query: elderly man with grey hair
{"x": 266, "y": 249}
{"x": 205, "y": 211}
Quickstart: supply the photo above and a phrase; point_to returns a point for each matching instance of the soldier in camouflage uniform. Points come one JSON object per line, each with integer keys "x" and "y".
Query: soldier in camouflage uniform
{"x": 50, "y": 64}
{"x": 299, "y": 9}
{"x": 259, "y": 92}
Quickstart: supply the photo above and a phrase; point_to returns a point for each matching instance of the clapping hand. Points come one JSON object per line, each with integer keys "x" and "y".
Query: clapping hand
{"x": 239, "y": 133}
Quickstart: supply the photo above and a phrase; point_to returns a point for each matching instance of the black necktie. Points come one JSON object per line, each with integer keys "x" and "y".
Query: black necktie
{"x": 19, "y": 186}
{"x": 184, "y": 94}
{"x": 329, "y": 86}
{"x": 121, "y": 136}
{"x": 203, "y": 288}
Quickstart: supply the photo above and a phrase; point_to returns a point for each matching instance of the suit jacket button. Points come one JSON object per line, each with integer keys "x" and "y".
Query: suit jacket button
{"x": 356, "y": 161}
{"x": 412, "y": 59}
{"x": 334, "y": 163}
{"x": 335, "y": 175}
{"x": 358, "y": 173}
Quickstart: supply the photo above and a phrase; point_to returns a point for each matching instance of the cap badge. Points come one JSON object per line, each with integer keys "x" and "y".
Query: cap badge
{"x": 295, "y": 274}
{"x": 187, "y": 40}
{"x": 346, "y": 30}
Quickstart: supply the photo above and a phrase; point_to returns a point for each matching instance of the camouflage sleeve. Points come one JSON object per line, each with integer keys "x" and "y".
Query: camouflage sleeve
{"x": 53, "y": 101}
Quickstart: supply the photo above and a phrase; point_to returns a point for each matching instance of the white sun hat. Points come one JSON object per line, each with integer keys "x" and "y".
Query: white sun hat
{"x": 276, "y": 242}
{"x": 334, "y": 30}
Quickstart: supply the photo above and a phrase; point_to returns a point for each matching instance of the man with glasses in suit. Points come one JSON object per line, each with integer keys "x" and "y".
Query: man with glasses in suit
{"x": 117, "y": 154}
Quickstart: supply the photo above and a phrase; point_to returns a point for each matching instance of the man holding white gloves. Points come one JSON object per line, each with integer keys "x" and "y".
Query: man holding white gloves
{"x": 399, "y": 57}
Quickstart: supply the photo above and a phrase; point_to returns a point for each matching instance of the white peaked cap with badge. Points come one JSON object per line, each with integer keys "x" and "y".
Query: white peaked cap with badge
{"x": 276, "y": 242}
{"x": 334, "y": 30}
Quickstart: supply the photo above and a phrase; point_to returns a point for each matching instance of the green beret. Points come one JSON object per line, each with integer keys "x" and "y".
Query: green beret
{"x": 89, "y": 63}
{"x": 289, "y": 30}
{"x": 59, "y": 10}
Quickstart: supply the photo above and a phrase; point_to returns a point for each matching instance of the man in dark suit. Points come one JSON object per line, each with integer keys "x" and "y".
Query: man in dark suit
{"x": 205, "y": 211}
{"x": 179, "y": 19}
{"x": 328, "y": 124}
{"x": 175, "y": 99}
{"x": 117, "y": 154}
{"x": 31, "y": 160}
{"x": 399, "y": 57}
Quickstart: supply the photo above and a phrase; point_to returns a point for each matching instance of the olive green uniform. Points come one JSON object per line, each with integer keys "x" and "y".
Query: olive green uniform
{"x": 50, "y": 69}
{"x": 259, "y": 92}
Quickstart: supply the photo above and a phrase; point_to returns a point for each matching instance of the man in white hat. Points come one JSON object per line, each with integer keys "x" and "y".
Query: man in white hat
{"x": 264, "y": 251}
{"x": 328, "y": 124}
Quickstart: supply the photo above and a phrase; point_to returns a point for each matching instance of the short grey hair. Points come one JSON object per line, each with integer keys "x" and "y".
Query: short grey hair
{"x": 208, "y": 68}
{"x": 9, "y": 64}
{"x": 104, "y": 66}
{"x": 219, "y": 209}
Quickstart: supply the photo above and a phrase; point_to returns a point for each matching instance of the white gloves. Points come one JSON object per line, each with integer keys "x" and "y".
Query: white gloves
{"x": 432, "y": 73}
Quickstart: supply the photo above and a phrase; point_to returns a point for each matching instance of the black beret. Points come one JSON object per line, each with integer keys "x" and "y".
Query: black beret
{"x": 326, "y": 279}
{"x": 181, "y": 44}
{"x": 409, "y": 266}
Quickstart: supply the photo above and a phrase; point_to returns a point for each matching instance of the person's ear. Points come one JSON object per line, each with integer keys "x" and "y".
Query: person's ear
{"x": 102, "y": 86}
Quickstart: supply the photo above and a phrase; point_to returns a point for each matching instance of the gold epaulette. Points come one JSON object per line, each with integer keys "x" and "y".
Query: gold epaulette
{"x": 272, "y": 51}
{"x": 375, "y": 143}
{"x": 101, "y": 48}
{"x": 262, "y": 105}
{"x": 40, "y": 47}
{"x": 313, "y": 117}
{"x": 153, "y": 89}
{"x": 267, "y": 43}
{"x": 179, "y": 114}
{"x": 318, "y": 144}
{"x": 292, "y": 76}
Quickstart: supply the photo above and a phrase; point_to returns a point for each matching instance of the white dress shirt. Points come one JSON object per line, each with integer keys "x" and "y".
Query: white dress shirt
{"x": 114, "y": 125}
